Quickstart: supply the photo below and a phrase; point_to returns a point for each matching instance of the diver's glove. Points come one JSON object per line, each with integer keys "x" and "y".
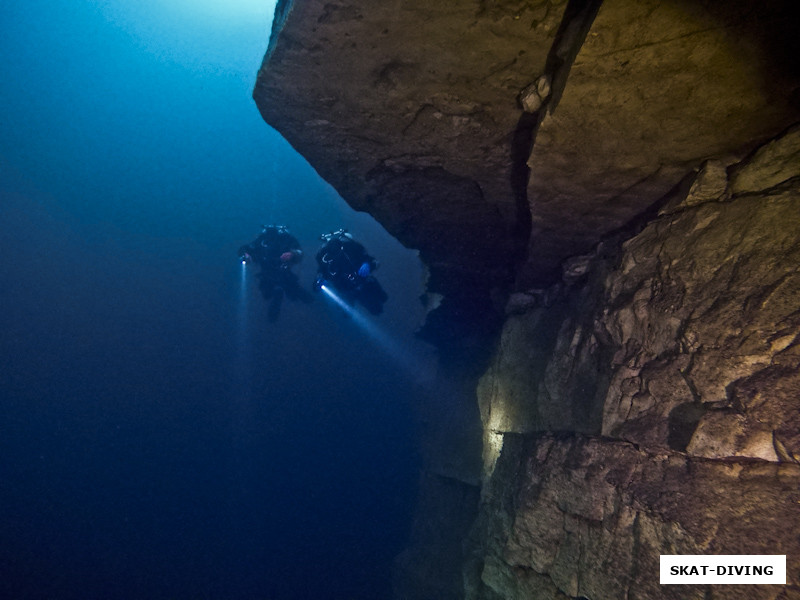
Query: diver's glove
{"x": 364, "y": 270}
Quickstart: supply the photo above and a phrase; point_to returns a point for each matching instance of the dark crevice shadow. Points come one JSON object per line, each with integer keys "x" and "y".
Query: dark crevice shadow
{"x": 578, "y": 18}
{"x": 521, "y": 147}
{"x": 683, "y": 422}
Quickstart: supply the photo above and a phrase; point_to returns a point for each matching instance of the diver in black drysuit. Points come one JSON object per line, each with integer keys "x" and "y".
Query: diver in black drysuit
{"x": 276, "y": 251}
{"x": 345, "y": 265}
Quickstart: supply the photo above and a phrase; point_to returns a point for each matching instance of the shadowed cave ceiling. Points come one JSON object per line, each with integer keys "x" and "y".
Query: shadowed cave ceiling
{"x": 502, "y": 138}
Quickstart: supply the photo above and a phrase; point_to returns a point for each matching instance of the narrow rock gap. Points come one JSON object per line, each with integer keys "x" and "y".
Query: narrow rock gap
{"x": 578, "y": 18}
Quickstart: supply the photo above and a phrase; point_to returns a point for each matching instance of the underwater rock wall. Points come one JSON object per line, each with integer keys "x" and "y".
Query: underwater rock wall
{"x": 580, "y": 179}
{"x": 654, "y": 88}
{"x": 571, "y": 516}
{"x": 409, "y": 110}
{"x": 669, "y": 365}
{"x": 500, "y": 138}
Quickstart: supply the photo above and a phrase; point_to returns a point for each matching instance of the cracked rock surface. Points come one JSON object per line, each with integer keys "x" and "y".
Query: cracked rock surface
{"x": 572, "y": 516}
{"x": 656, "y": 87}
{"x": 410, "y": 110}
{"x": 612, "y": 189}
{"x": 672, "y": 369}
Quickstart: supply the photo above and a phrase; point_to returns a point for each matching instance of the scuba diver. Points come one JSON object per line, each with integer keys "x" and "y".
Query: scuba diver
{"x": 276, "y": 251}
{"x": 344, "y": 265}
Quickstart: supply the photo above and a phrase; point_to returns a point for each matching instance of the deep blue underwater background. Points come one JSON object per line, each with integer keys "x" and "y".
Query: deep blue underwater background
{"x": 159, "y": 438}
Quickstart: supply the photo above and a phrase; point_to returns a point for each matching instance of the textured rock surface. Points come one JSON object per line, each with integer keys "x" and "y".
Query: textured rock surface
{"x": 694, "y": 320}
{"x": 656, "y": 87}
{"x": 682, "y": 348}
{"x": 599, "y": 169}
{"x": 416, "y": 112}
{"x": 572, "y": 516}
{"x": 409, "y": 109}
{"x": 410, "y": 92}
{"x": 705, "y": 319}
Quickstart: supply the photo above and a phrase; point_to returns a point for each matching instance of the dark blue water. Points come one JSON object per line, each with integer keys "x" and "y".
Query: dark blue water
{"x": 159, "y": 438}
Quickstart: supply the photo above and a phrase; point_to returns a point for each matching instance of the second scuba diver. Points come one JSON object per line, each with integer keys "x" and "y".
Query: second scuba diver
{"x": 344, "y": 264}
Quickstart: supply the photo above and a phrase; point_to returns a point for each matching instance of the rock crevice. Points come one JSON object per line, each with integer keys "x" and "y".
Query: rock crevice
{"x": 607, "y": 197}
{"x": 580, "y": 516}
{"x": 692, "y": 331}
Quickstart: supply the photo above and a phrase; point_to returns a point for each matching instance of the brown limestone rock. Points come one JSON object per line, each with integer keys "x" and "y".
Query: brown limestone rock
{"x": 682, "y": 340}
{"x": 414, "y": 112}
{"x": 573, "y": 516}
{"x": 657, "y": 87}
{"x": 691, "y": 330}
{"x": 409, "y": 109}
{"x": 703, "y": 314}
{"x": 771, "y": 165}
{"x": 687, "y": 337}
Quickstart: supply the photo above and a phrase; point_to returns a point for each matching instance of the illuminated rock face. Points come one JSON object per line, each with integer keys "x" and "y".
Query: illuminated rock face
{"x": 577, "y": 517}
{"x": 674, "y": 379}
{"x": 691, "y": 321}
{"x": 609, "y": 187}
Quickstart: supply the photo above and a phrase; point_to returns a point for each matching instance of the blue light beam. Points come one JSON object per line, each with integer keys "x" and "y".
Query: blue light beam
{"x": 243, "y": 361}
{"x": 384, "y": 341}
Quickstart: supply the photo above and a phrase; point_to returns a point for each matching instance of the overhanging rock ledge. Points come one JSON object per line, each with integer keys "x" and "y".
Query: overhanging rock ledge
{"x": 413, "y": 112}
{"x": 606, "y": 195}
